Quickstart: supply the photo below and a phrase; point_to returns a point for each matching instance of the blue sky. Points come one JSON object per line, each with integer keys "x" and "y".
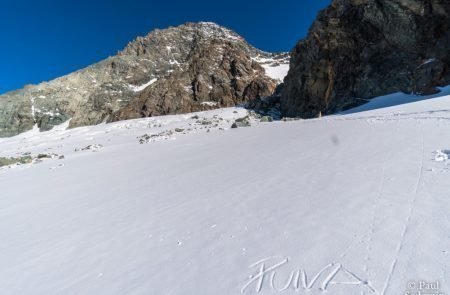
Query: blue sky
{"x": 45, "y": 39}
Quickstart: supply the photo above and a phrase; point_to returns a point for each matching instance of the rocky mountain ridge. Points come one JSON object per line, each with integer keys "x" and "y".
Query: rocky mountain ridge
{"x": 359, "y": 49}
{"x": 193, "y": 67}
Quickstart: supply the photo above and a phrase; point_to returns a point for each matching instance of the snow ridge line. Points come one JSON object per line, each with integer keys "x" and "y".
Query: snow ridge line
{"x": 408, "y": 220}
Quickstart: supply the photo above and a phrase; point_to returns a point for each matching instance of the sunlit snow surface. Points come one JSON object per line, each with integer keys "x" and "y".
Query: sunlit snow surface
{"x": 396, "y": 99}
{"x": 276, "y": 69}
{"x": 277, "y": 72}
{"x": 347, "y": 204}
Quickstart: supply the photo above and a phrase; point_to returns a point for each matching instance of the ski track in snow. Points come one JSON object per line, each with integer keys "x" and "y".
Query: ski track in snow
{"x": 412, "y": 206}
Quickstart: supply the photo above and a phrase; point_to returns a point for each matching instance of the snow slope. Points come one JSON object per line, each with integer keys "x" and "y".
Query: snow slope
{"x": 277, "y": 72}
{"x": 276, "y": 69}
{"x": 395, "y": 99}
{"x": 348, "y": 204}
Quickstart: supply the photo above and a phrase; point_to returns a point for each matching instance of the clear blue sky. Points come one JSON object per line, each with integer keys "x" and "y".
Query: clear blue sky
{"x": 45, "y": 39}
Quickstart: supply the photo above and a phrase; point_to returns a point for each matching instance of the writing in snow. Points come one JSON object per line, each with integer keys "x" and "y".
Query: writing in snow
{"x": 266, "y": 277}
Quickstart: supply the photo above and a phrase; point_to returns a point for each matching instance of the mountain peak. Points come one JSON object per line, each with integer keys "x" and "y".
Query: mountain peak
{"x": 211, "y": 29}
{"x": 188, "y": 68}
{"x": 182, "y": 35}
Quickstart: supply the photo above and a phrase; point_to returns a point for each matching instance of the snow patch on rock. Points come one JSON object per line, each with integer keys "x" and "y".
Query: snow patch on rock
{"x": 142, "y": 87}
{"x": 277, "y": 72}
{"x": 276, "y": 68}
{"x": 209, "y": 103}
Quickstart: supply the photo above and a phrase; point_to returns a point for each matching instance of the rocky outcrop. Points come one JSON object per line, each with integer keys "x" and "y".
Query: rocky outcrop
{"x": 193, "y": 67}
{"x": 359, "y": 49}
{"x": 204, "y": 80}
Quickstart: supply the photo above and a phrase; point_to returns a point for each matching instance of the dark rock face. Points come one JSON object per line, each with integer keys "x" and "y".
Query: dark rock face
{"x": 193, "y": 67}
{"x": 359, "y": 49}
{"x": 214, "y": 74}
